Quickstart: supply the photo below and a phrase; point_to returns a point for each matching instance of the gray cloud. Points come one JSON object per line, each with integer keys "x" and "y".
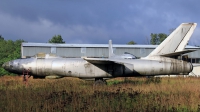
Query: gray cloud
{"x": 95, "y": 21}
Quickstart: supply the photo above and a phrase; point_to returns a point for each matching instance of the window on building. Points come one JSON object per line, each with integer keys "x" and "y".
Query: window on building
{"x": 197, "y": 60}
{"x": 192, "y": 60}
{"x": 142, "y": 50}
{"x": 83, "y": 50}
{"x": 53, "y": 50}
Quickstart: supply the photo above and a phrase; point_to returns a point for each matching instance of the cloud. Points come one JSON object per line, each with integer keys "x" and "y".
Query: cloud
{"x": 94, "y": 21}
{"x": 44, "y": 29}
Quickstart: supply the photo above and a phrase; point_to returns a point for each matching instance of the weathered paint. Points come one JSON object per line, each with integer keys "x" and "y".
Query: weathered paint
{"x": 78, "y": 67}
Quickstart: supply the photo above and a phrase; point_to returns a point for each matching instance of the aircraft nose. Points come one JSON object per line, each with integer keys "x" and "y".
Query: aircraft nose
{"x": 6, "y": 65}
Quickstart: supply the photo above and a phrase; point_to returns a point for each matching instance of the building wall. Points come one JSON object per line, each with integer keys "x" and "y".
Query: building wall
{"x": 138, "y": 52}
{"x": 31, "y": 51}
{"x": 69, "y": 52}
{"x": 195, "y": 71}
{"x": 78, "y": 52}
{"x": 94, "y": 51}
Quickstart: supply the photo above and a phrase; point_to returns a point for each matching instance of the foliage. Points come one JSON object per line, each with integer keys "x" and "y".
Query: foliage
{"x": 9, "y": 50}
{"x": 56, "y": 39}
{"x": 154, "y": 39}
{"x": 131, "y": 43}
{"x": 157, "y": 39}
{"x": 1, "y": 38}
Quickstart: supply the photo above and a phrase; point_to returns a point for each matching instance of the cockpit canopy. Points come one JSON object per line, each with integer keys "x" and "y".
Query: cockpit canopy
{"x": 127, "y": 55}
{"x": 44, "y": 55}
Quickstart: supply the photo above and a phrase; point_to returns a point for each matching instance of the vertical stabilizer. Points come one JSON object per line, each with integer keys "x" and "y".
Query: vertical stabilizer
{"x": 110, "y": 49}
{"x": 176, "y": 41}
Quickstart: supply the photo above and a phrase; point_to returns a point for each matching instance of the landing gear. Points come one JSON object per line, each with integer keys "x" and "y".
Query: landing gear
{"x": 26, "y": 76}
{"x": 100, "y": 82}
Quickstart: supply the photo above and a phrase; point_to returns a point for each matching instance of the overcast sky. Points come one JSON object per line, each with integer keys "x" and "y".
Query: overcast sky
{"x": 95, "y": 22}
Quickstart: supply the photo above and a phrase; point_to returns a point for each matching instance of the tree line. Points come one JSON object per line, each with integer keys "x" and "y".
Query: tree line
{"x": 9, "y": 50}
{"x": 156, "y": 39}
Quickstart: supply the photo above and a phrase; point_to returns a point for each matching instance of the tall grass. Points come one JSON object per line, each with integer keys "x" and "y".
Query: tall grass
{"x": 72, "y": 94}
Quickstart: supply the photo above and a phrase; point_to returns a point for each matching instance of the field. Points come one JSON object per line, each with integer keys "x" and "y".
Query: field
{"x": 72, "y": 94}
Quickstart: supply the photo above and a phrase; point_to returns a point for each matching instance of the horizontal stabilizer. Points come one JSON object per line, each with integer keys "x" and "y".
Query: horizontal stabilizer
{"x": 177, "y": 53}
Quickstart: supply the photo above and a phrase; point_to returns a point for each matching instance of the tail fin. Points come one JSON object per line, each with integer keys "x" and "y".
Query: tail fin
{"x": 110, "y": 49}
{"x": 176, "y": 41}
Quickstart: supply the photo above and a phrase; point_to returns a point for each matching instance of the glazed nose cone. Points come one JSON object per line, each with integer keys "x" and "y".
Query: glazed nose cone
{"x": 6, "y": 65}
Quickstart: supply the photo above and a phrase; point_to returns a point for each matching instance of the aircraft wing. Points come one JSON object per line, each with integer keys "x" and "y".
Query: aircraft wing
{"x": 98, "y": 60}
{"x": 102, "y": 61}
{"x": 177, "y": 53}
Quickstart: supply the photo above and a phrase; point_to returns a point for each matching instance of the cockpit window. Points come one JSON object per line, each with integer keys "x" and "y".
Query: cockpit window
{"x": 129, "y": 56}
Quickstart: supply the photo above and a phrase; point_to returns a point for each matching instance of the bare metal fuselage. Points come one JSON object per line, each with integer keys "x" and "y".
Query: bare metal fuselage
{"x": 78, "y": 67}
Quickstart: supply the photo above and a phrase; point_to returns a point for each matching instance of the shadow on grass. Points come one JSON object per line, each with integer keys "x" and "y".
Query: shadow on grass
{"x": 155, "y": 80}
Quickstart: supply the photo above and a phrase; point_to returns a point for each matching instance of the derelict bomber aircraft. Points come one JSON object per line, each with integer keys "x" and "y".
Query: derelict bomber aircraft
{"x": 159, "y": 62}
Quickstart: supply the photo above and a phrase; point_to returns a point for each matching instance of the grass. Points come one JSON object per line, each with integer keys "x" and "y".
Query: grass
{"x": 72, "y": 94}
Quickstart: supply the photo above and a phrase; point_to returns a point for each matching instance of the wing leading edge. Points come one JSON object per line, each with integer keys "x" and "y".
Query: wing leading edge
{"x": 103, "y": 61}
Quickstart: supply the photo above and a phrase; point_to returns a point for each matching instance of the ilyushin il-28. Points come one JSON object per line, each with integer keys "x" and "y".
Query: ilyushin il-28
{"x": 160, "y": 61}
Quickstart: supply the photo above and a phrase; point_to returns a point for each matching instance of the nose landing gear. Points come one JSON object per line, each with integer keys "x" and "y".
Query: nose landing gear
{"x": 26, "y": 76}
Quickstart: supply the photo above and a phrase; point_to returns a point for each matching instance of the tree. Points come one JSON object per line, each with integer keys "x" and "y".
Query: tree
{"x": 161, "y": 37}
{"x": 131, "y": 43}
{"x": 197, "y": 45}
{"x": 56, "y": 39}
{"x": 1, "y": 38}
{"x": 157, "y": 39}
{"x": 154, "y": 39}
{"x": 9, "y": 50}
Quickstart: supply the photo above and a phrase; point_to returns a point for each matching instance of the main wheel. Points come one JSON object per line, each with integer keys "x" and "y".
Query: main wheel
{"x": 100, "y": 82}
